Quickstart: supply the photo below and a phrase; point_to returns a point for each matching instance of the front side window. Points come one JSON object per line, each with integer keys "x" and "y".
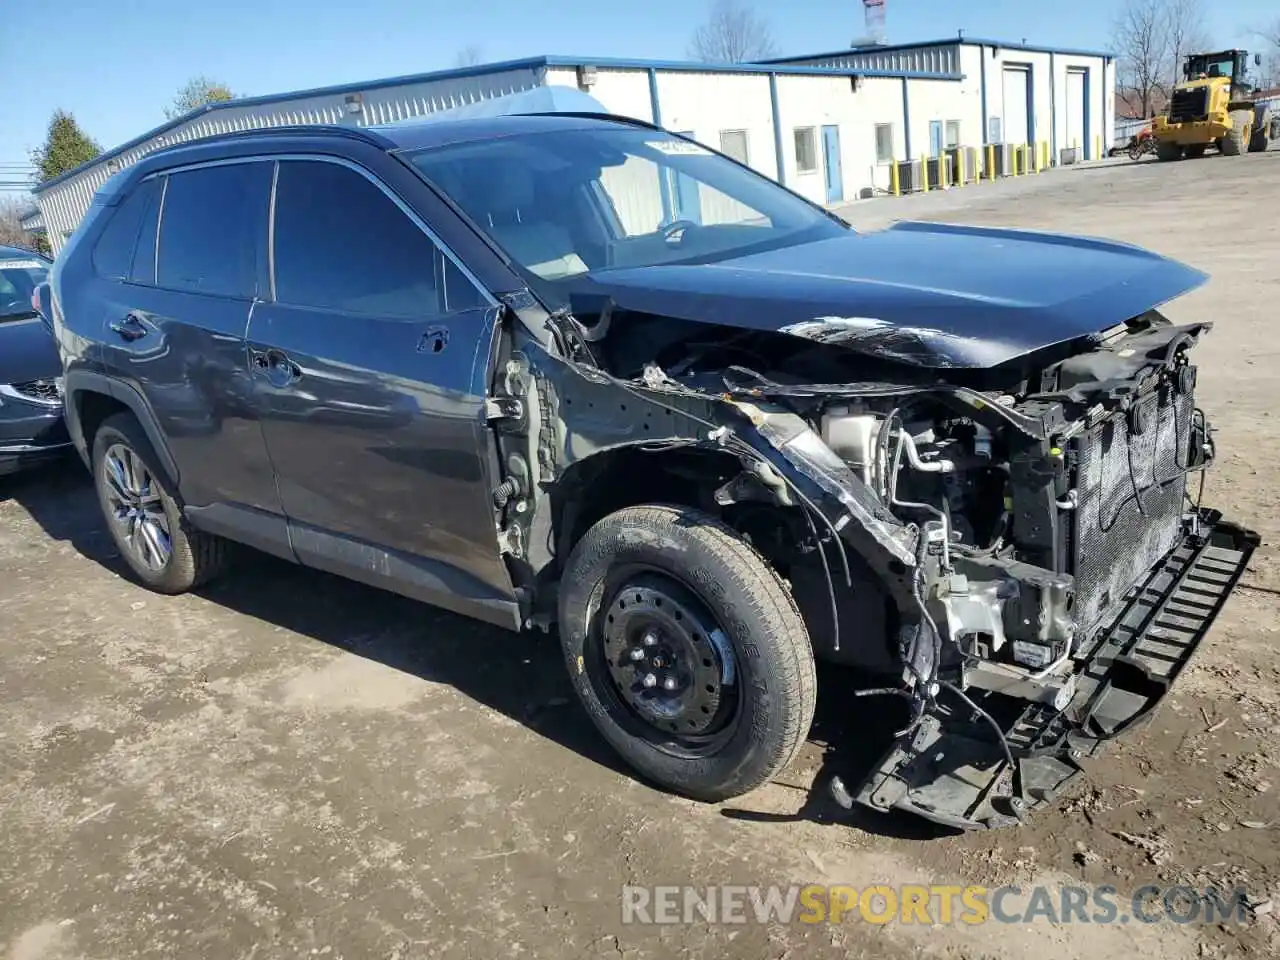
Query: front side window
{"x": 571, "y": 204}
{"x": 806, "y": 150}
{"x": 19, "y": 276}
{"x": 213, "y": 228}
{"x": 342, "y": 244}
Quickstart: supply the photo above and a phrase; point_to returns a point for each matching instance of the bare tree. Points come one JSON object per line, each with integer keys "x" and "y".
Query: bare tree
{"x": 1187, "y": 33}
{"x": 733, "y": 33}
{"x": 1271, "y": 34}
{"x": 1142, "y": 47}
{"x": 1271, "y": 57}
{"x": 468, "y": 56}
{"x": 12, "y": 210}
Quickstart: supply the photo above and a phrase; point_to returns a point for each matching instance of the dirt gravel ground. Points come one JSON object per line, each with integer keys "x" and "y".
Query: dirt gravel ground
{"x": 290, "y": 765}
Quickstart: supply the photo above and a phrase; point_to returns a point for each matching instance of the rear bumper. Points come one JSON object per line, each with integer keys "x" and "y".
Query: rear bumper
{"x": 951, "y": 769}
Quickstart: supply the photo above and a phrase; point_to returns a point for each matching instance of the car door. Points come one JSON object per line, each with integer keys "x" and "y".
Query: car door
{"x": 371, "y": 364}
{"x": 182, "y": 261}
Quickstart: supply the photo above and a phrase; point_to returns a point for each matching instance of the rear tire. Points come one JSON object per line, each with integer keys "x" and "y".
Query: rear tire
{"x": 1261, "y": 138}
{"x": 727, "y": 609}
{"x": 1236, "y": 139}
{"x": 1196, "y": 150}
{"x": 141, "y": 509}
{"x": 1168, "y": 151}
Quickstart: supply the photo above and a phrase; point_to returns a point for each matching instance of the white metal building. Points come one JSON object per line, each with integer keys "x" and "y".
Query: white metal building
{"x": 1008, "y": 93}
{"x": 828, "y": 126}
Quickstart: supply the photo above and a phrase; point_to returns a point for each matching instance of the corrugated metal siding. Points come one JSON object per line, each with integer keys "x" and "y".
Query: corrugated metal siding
{"x": 943, "y": 58}
{"x": 64, "y": 205}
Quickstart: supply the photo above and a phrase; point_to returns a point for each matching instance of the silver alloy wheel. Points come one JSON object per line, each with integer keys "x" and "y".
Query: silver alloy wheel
{"x": 136, "y": 509}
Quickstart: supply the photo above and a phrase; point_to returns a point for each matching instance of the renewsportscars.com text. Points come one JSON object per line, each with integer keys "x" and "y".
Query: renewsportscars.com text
{"x": 932, "y": 904}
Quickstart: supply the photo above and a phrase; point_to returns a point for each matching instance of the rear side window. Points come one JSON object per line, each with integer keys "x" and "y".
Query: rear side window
{"x": 342, "y": 244}
{"x": 213, "y": 229}
{"x": 113, "y": 253}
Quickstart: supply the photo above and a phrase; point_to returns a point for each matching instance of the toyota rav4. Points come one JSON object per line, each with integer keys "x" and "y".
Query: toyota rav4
{"x": 576, "y": 371}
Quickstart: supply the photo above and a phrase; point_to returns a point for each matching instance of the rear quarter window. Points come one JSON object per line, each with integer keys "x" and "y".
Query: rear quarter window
{"x": 113, "y": 254}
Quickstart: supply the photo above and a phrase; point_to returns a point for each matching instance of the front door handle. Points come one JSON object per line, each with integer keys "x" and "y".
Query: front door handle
{"x": 130, "y": 328}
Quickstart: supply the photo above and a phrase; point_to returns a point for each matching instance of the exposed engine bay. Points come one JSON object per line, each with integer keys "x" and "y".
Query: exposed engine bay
{"x": 963, "y": 533}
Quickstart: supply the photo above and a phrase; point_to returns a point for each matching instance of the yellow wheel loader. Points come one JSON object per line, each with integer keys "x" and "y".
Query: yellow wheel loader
{"x": 1214, "y": 106}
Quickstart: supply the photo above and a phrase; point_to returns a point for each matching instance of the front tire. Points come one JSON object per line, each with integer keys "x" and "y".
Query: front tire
{"x": 687, "y": 651}
{"x": 1168, "y": 151}
{"x": 1236, "y": 140}
{"x": 163, "y": 551}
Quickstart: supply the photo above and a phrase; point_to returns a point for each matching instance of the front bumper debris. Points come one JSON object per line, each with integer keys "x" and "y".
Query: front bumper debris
{"x": 951, "y": 769}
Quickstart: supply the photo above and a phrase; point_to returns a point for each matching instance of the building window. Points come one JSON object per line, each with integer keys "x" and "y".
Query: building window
{"x": 953, "y": 133}
{"x": 994, "y": 133}
{"x": 884, "y": 143}
{"x": 733, "y": 143}
{"x": 806, "y": 149}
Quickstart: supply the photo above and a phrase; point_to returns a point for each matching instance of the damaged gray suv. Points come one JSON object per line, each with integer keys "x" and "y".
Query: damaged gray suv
{"x": 576, "y": 371}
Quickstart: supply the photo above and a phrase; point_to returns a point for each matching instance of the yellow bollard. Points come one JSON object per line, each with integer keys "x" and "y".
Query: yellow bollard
{"x": 1097, "y": 147}
{"x": 924, "y": 174}
{"x": 991, "y": 161}
{"x": 963, "y": 172}
{"x": 1044, "y": 146}
{"x": 894, "y": 186}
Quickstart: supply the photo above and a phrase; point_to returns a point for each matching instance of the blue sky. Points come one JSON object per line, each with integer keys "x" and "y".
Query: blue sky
{"x": 115, "y": 64}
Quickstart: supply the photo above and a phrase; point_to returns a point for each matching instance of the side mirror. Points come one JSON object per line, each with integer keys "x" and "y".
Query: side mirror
{"x": 42, "y": 303}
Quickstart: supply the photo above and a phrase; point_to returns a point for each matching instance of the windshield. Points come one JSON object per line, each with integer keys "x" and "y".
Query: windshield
{"x": 569, "y": 204}
{"x": 1215, "y": 65}
{"x": 19, "y": 277}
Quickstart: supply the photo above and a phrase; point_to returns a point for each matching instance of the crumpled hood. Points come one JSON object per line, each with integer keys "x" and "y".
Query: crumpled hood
{"x": 927, "y": 294}
{"x": 27, "y": 351}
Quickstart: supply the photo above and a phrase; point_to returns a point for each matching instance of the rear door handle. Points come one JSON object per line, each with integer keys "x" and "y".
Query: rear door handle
{"x": 130, "y": 328}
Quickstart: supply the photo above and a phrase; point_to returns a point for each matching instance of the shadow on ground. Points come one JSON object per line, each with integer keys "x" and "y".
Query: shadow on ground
{"x": 519, "y": 675}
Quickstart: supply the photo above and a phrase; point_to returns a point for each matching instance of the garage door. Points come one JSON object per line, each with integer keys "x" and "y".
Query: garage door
{"x": 1075, "y": 110}
{"x": 1017, "y": 112}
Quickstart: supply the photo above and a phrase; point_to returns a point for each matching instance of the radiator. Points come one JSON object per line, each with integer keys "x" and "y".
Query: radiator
{"x": 1115, "y": 542}
{"x": 1189, "y": 105}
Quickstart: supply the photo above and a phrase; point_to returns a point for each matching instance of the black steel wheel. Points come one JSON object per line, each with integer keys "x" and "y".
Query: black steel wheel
{"x": 667, "y": 660}
{"x": 686, "y": 650}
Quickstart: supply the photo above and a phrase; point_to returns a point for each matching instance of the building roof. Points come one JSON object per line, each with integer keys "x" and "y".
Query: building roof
{"x": 946, "y": 42}
{"x": 527, "y": 63}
